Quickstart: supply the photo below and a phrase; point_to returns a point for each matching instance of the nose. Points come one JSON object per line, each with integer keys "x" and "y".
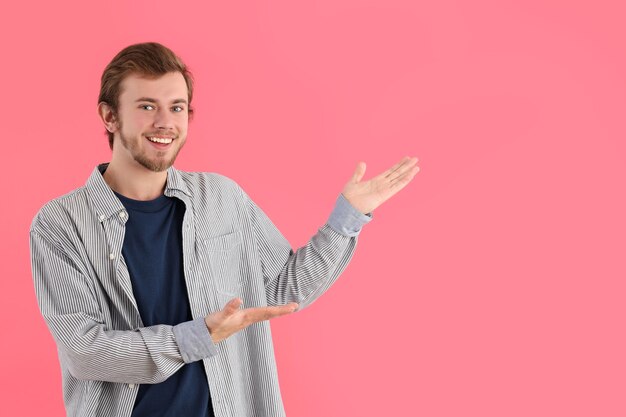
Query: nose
{"x": 163, "y": 119}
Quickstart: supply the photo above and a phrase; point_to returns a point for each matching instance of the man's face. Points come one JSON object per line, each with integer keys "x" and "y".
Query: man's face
{"x": 152, "y": 120}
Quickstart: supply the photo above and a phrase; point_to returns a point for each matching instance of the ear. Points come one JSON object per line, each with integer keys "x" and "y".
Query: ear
{"x": 108, "y": 117}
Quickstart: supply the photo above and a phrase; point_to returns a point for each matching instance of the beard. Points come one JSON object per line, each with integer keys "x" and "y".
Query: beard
{"x": 159, "y": 163}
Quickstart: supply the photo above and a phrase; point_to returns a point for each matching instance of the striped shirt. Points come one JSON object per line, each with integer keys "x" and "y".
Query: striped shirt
{"x": 230, "y": 249}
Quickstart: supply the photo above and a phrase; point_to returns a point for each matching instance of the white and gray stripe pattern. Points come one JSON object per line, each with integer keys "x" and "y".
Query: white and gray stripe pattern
{"x": 230, "y": 249}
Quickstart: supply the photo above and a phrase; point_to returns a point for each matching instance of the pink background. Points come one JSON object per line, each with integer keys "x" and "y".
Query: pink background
{"x": 492, "y": 286}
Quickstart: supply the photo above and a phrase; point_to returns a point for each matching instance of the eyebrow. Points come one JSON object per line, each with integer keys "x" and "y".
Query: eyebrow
{"x": 151, "y": 100}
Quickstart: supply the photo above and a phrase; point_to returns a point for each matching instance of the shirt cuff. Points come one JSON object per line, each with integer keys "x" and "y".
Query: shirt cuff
{"x": 194, "y": 340}
{"x": 347, "y": 220}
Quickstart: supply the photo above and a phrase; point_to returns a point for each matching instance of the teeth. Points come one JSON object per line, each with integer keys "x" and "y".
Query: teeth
{"x": 160, "y": 140}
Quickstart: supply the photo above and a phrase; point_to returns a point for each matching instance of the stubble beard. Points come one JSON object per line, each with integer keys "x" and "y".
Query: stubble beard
{"x": 158, "y": 164}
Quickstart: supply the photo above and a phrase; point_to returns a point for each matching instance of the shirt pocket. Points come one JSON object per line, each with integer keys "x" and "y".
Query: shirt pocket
{"x": 223, "y": 254}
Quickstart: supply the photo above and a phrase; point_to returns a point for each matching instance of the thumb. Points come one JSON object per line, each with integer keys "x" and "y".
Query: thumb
{"x": 232, "y": 306}
{"x": 358, "y": 172}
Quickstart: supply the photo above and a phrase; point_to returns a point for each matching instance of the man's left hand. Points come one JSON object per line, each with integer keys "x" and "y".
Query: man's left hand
{"x": 365, "y": 196}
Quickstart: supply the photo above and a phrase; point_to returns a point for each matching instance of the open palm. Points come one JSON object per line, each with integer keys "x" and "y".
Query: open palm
{"x": 365, "y": 196}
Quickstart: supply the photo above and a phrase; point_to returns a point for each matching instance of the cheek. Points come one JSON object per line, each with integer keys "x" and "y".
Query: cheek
{"x": 137, "y": 122}
{"x": 183, "y": 125}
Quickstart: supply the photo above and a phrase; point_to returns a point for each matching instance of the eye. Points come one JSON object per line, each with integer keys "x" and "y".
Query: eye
{"x": 178, "y": 109}
{"x": 143, "y": 106}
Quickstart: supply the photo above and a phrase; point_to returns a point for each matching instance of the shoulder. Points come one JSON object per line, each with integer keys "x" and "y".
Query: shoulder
{"x": 61, "y": 213}
{"x": 210, "y": 183}
{"x": 212, "y": 179}
{"x": 215, "y": 194}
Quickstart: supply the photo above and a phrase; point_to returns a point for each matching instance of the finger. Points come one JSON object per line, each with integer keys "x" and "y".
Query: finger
{"x": 266, "y": 313}
{"x": 404, "y": 180}
{"x": 406, "y": 167}
{"x": 232, "y": 306}
{"x": 359, "y": 172}
{"x": 410, "y": 172}
{"x": 394, "y": 168}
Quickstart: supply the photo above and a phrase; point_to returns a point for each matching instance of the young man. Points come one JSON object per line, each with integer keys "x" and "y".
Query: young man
{"x": 157, "y": 284}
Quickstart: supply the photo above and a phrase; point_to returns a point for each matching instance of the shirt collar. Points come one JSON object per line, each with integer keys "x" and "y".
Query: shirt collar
{"x": 107, "y": 204}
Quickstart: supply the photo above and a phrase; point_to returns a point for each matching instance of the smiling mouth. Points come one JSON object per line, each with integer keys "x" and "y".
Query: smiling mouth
{"x": 160, "y": 139}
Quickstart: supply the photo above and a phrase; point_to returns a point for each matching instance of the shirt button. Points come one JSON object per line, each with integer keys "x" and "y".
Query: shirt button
{"x": 101, "y": 217}
{"x": 111, "y": 256}
{"x": 122, "y": 214}
{"x": 131, "y": 386}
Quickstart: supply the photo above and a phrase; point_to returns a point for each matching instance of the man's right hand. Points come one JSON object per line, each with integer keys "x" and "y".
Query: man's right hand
{"x": 231, "y": 319}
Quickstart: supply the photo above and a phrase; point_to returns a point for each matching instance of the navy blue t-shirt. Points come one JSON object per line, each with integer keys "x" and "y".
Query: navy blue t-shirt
{"x": 153, "y": 253}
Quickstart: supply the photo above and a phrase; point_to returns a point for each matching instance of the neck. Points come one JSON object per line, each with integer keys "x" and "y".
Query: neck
{"x": 135, "y": 181}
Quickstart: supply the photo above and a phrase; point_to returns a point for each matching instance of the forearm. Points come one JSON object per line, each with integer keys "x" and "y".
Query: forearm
{"x": 303, "y": 275}
{"x": 312, "y": 269}
{"x": 147, "y": 355}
